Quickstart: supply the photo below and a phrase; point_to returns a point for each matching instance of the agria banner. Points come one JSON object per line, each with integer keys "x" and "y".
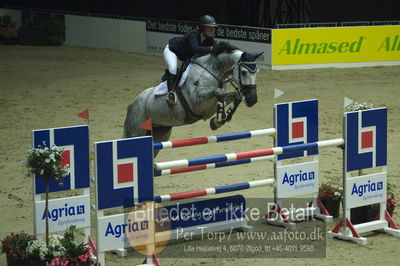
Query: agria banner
{"x": 335, "y": 45}
{"x": 366, "y": 147}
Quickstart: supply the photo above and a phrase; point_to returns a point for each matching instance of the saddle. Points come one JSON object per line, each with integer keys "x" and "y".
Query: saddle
{"x": 179, "y": 74}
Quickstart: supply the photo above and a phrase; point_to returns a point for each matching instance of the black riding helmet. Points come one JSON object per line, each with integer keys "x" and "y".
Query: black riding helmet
{"x": 207, "y": 21}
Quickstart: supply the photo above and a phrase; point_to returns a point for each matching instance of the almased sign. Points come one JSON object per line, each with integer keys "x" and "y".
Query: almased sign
{"x": 335, "y": 45}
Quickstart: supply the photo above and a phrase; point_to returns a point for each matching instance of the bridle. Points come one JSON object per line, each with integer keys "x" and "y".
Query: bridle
{"x": 251, "y": 67}
{"x": 240, "y": 88}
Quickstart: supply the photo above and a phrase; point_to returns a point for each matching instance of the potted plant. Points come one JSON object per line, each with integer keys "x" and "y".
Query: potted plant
{"x": 15, "y": 245}
{"x": 8, "y": 30}
{"x": 76, "y": 253}
{"x": 45, "y": 162}
{"x": 390, "y": 203}
{"x": 61, "y": 250}
{"x": 55, "y": 31}
{"x": 331, "y": 197}
{"x": 356, "y": 106}
{"x": 37, "y": 252}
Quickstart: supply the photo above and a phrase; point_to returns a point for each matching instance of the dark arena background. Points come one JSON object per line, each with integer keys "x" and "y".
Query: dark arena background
{"x": 255, "y": 13}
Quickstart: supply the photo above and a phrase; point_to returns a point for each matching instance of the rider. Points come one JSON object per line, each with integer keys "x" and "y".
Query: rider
{"x": 198, "y": 41}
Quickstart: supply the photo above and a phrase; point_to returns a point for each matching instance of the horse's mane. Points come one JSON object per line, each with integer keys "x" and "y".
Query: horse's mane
{"x": 223, "y": 47}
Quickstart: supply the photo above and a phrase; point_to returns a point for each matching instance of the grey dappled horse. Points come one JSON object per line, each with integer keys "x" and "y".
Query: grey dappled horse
{"x": 200, "y": 97}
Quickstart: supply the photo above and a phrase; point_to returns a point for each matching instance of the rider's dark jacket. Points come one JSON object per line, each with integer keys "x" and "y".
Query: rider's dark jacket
{"x": 187, "y": 46}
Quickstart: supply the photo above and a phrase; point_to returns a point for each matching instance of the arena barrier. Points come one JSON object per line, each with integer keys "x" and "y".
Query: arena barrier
{"x": 214, "y": 139}
{"x": 359, "y": 138}
{"x": 247, "y": 154}
{"x": 125, "y": 175}
{"x": 124, "y": 159}
{"x": 297, "y": 123}
{"x": 294, "y": 122}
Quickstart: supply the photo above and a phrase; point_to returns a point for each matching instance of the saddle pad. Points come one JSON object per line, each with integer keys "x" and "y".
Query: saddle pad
{"x": 162, "y": 89}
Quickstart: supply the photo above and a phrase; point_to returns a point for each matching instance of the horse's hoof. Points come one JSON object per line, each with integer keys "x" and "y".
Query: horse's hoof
{"x": 214, "y": 124}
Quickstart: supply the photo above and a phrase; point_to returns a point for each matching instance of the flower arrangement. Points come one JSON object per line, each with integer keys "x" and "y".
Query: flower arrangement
{"x": 61, "y": 250}
{"x": 8, "y": 29}
{"x": 15, "y": 244}
{"x": 390, "y": 200}
{"x": 356, "y": 106}
{"x": 37, "y": 250}
{"x": 331, "y": 197}
{"x": 46, "y": 162}
{"x": 9, "y": 32}
{"x": 330, "y": 192}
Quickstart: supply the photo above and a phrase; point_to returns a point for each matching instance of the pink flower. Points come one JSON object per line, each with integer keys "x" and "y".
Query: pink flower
{"x": 55, "y": 261}
{"x": 84, "y": 257}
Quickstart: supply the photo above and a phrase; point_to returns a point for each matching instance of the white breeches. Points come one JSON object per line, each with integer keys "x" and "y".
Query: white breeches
{"x": 171, "y": 59}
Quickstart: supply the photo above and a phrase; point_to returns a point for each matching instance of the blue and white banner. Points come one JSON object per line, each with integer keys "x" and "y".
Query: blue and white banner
{"x": 296, "y": 123}
{"x": 201, "y": 213}
{"x": 75, "y": 142}
{"x": 124, "y": 172}
{"x": 297, "y": 179}
{"x": 366, "y": 139}
{"x": 62, "y": 213}
{"x": 249, "y": 39}
{"x": 167, "y": 222}
{"x": 365, "y": 190}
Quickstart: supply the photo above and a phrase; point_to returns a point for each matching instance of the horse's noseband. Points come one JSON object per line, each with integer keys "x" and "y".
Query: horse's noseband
{"x": 248, "y": 91}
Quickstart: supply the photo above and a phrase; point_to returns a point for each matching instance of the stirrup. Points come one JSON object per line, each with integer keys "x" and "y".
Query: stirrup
{"x": 171, "y": 98}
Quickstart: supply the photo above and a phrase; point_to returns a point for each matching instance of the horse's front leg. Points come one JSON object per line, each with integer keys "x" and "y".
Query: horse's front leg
{"x": 221, "y": 117}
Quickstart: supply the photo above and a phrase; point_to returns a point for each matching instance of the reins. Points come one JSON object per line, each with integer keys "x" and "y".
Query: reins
{"x": 227, "y": 80}
{"x": 220, "y": 82}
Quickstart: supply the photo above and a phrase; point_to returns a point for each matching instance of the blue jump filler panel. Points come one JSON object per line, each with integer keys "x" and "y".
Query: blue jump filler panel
{"x": 366, "y": 139}
{"x": 75, "y": 142}
{"x": 124, "y": 172}
{"x": 296, "y": 123}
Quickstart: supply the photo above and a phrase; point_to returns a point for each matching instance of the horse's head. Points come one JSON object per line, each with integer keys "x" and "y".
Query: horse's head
{"x": 244, "y": 74}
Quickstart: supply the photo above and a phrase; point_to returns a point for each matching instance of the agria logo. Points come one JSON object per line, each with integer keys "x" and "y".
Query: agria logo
{"x": 300, "y": 177}
{"x": 66, "y": 211}
{"x": 131, "y": 226}
{"x": 361, "y": 189}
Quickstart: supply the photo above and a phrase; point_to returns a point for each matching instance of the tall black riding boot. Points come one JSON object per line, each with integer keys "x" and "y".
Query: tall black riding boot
{"x": 171, "y": 96}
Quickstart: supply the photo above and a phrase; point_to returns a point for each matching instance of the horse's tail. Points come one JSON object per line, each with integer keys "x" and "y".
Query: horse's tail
{"x": 128, "y": 118}
{"x": 135, "y": 116}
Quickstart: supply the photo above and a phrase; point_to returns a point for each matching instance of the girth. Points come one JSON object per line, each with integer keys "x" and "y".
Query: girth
{"x": 191, "y": 117}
